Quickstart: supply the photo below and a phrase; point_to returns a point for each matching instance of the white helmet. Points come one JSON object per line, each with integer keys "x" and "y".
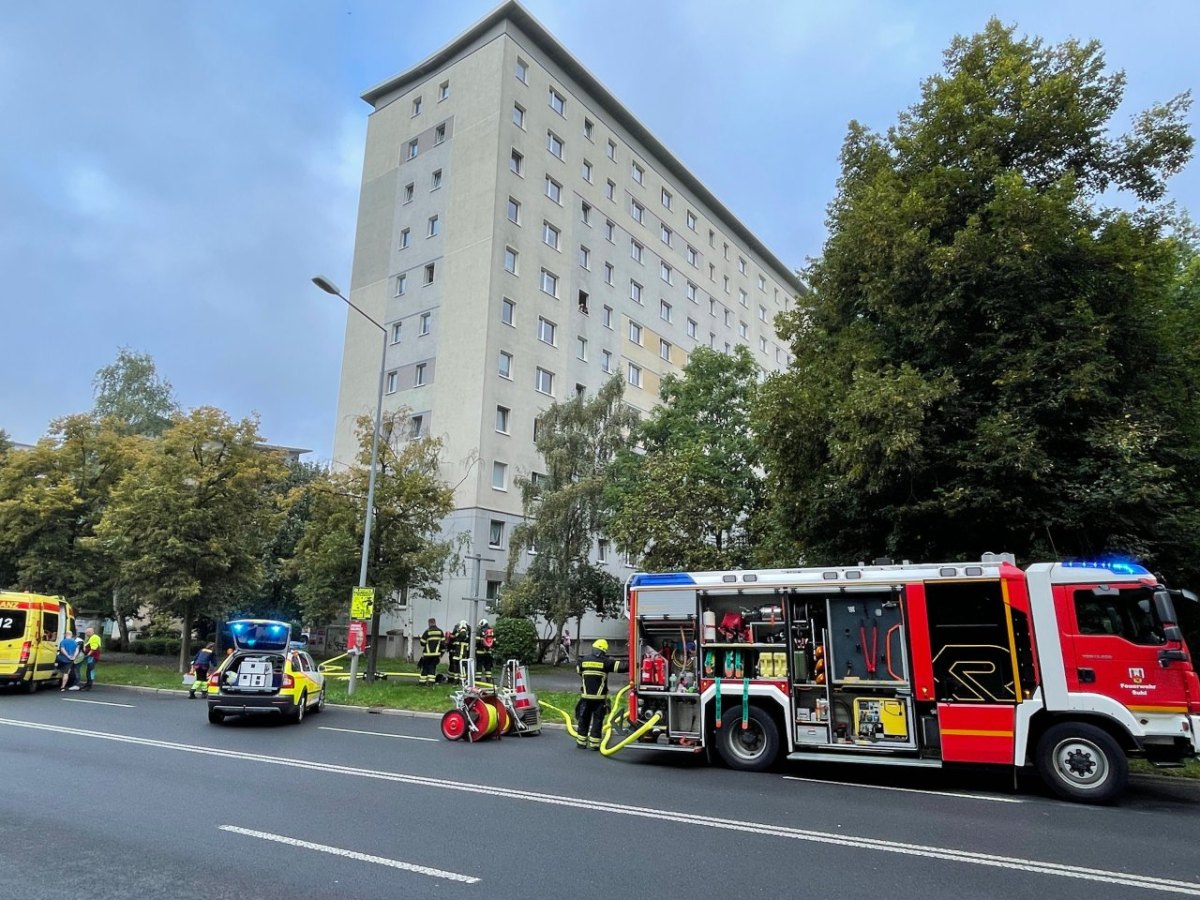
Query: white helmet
{"x": 483, "y": 623}
{"x": 462, "y": 625}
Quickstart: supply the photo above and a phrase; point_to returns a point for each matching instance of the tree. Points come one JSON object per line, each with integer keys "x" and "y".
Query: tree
{"x": 407, "y": 559}
{"x": 51, "y": 499}
{"x": 188, "y": 523}
{"x": 689, "y": 499}
{"x": 130, "y": 390}
{"x": 985, "y": 359}
{"x": 564, "y": 510}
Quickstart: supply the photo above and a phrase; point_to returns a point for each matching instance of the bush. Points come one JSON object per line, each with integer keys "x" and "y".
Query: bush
{"x": 516, "y": 639}
{"x": 156, "y": 646}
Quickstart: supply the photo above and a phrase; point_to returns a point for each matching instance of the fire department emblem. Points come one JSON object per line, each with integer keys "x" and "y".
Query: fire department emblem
{"x": 1137, "y": 676}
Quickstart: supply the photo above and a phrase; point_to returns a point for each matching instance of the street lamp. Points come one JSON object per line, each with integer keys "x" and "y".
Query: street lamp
{"x": 330, "y": 288}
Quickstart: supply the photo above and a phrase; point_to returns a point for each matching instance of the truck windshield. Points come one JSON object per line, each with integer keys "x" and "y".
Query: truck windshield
{"x": 1123, "y": 612}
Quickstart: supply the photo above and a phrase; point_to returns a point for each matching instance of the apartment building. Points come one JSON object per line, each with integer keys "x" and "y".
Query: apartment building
{"x": 524, "y": 238}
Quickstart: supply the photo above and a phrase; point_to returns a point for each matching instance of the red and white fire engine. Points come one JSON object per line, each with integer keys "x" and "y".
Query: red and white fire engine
{"x": 1070, "y": 667}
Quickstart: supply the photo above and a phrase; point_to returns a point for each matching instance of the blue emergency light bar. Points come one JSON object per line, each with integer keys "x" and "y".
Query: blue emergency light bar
{"x": 661, "y": 580}
{"x": 1117, "y": 567}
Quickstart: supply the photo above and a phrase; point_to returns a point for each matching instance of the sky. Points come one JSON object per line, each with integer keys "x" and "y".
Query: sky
{"x": 172, "y": 175}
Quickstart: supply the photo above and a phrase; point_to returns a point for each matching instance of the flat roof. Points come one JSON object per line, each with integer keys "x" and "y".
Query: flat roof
{"x": 514, "y": 12}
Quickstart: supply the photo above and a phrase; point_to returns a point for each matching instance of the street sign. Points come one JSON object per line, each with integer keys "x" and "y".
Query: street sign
{"x": 356, "y": 636}
{"x": 362, "y": 603}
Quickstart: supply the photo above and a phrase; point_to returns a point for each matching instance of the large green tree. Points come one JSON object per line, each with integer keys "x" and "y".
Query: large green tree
{"x": 988, "y": 359}
{"x": 564, "y": 511}
{"x": 131, "y": 391}
{"x": 687, "y": 498}
{"x": 409, "y": 556}
{"x": 187, "y": 525}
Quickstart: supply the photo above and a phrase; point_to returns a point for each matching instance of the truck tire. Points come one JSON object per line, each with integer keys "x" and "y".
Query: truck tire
{"x": 215, "y": 716}
{"x": 1082, "y": 762}
{"x": 749, "y": 749}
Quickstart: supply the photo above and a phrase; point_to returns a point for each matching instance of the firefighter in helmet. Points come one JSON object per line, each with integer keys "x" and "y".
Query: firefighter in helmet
{"x": 460, "y": 648}
{"x": 485, "y": 640}
{"x": 593, "y": 695}
{"x": 433, "y": 640}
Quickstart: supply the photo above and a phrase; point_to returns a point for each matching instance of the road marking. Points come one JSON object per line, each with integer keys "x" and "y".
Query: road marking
{"x": 352, "y": 854}
{"x": 880, "y": 787}
{"x": 98, "y": 702}
{"x": 948, "y": 854}
{"x": 402, "y": 737}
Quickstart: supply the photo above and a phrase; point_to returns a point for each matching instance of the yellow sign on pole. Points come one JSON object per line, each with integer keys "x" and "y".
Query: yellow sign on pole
{"x": 362, "y": 603}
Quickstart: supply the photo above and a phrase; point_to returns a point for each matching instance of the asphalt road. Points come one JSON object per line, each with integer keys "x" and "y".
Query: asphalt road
{"x": 128, "y": 794}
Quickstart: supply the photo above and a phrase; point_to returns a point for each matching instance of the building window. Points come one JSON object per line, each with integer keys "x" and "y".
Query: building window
{"x": 608, "y": 273}
{"x": 691, "y": 328}
{"x": 554, "y": 144}
{"x": 635, "y": 291}
{"x": 585, "y": 213}
{"x": 581, "y": 348}
{"x": 712, "y": 340}
{"x": 506, "y": 360}
{"x": 553, "y": 190}
{"x": 502, "y": 413}
{"x": 666, "y": 198}
{"x": 639, "y": 174}
{"x": 762, "y": 314}
{"x": 424, "y": 321}
{"x": 550, "y": 235}
{"x": 725, "y": 250}
{"x": 401, "y": 284}
{"x": 547, "y": 331}
{"x": 549, "y": 283}
{"x": 522, "y": 71}
{"x": 419, "y": 375}
{"x": 500, "y": 476}
{"x": 587, "y": 171}
{"x": 544, "y": 381}
{"x": 391, "y": 382}
{"x": 606, "y": 361}
{"x": 430, "y": 270}
{"x": 585, "y": 257}
{"x": 510, "y": 260}
{"x": 635, "y": 375}
{"x": 434, "y": 227}
{"x": 635, "y": 250}
{"x": 636, "y": 210}
{"x": 413, "y": 148}
{"x": 743, "y": 329}
{"x": 557, "y": 103}
{"x": 610, "y": 189}
{"x": 762, "y": 344}
{"x": 439, "y": 134}
{"x": 664, "y": 310}
{"x": 712, "y": 272}
{"x": 508, "y": 311}
{"x": 408, "y": 192}
{"x": 635, "y": 333}
{"x": 496, "y": 534}
{"x": 610, "y": 231}
{"x": 664, "y": 350}
{"x": 405, "y": 235}
{"x": 396, "y": 331}
{"x": 664, "y": 272}
{"x": 741, "y": 265}
{"x": 514, "y": 211}
{"x": 712, "y": 238}
{"x": 606, "y": 317}
{"x": 602, "y": 551}
{"x": 762, "y": 284}
{"x": 726, "y": 283}
{"x": 588, "y": 129}
{"x": 691, "y": 292}
{"x": 414, "y": 426}
{"x": 518, "y": 115}
{"x": 612, "y": 150}
{"x": 664, "y": 234}
{"x": 691, "y": 220}
{"x": 712, "y": 306}
{"x": 517, "y": 163}
{"x": 443, "y": 91}
{"x": 693, "y": 256}
{"x": 742, "y": 297}
{"x": 728, "y": 319}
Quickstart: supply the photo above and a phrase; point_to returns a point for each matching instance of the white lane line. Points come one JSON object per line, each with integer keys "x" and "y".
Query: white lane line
{"x": 98, "y": 702}
{"x": 880, "y": 787}
{"x": 1039, "y": 867}
{"x": 352, "y": 854}
{"x": 401, "y": 737}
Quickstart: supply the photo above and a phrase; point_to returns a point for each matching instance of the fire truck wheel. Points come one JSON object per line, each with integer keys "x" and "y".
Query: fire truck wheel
{"x": 1082, "y": 762}
{"x": 751, "y": 749}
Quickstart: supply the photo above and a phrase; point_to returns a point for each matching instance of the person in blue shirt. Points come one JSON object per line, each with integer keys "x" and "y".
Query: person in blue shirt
{"x": 64, "y": 662}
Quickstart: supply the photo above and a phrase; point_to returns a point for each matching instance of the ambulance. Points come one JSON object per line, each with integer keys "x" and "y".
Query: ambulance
{"x": 31, "y": 626}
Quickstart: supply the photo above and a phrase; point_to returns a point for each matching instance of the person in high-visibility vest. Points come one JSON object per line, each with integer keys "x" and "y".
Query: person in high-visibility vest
{"x": 91, "y": 646}
{"x": 485, "y": 641}
{"x": 460, "y": 648}
{"x": 593, "y": 695}
{"x": 433, "y": 642}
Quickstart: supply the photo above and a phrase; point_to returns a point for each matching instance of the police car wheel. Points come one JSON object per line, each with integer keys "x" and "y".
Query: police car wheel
{"x": 215, "y": 716}
{"x": 301, "y": 705}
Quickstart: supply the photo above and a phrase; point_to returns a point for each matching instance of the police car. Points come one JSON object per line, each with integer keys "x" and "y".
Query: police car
{"x": 267, "y": 674}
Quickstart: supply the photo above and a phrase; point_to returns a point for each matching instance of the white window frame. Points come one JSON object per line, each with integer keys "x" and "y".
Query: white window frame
{"x": 414, "y": 147}
{"x": 547, "y": 331}
{"x": 496, "y": 534}
{"x": 551, "y": 236}
{"x": 504, "y": 362}
{"x": 518, "y": 117}
{"x": 635, "y": 291}
{"x": 634, "y": 375}
{"x": 513, "y": 211}
{"x": 516, "y": 163}
{"x": 419, "y": 374}
{"x": 543, "y": 381}
{"x": 424, "y": 324}
{"x": 513, "y": 256}
{"x": 635, "y": 333}
{"x": 554, "y": 190}
{"x": 401, "y": 284}
{"x": 664, "y": 349}
{"x": 392, "y": 379}
{"x": 555, "y": 145}
{"x": 397, "y": 331}
{"x": 664, "y": 310}
{"x": 499, "y": 476}
{"x": 548, "y": 278}
{"x": 405, "y": 238}
{"x": 522, "y": 71}
{"x": 508, "y": 312}
{"x": 502, "y": 418}
{"x": 557, "y": 102}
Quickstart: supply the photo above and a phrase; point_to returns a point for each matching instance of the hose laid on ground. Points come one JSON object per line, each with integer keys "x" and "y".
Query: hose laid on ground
{"x": 614, "y": 713}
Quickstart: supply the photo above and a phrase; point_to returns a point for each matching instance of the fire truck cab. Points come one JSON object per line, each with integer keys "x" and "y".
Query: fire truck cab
{"x": 1067, "y": 667}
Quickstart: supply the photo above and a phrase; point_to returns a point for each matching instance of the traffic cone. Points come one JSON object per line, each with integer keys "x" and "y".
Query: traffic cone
{"x": 520, "y": 691}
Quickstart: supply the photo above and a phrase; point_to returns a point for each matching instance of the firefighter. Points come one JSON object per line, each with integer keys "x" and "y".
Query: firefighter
{"x": 460, "y": 648}
{"x": 433, "y": 640}
{"x": 485, "y": 640}
{"x": 593, "y": 695}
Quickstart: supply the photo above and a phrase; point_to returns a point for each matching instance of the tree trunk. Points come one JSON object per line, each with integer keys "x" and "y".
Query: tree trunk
{"x": 122, "y": 622}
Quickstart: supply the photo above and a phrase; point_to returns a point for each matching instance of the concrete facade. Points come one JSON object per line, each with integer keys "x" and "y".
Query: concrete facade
{"x": 499, "y": 144}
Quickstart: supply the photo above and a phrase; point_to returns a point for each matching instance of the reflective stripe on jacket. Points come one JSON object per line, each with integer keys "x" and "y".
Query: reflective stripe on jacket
{"x": 593, "y": 675}
{"x": 431, "y": 641}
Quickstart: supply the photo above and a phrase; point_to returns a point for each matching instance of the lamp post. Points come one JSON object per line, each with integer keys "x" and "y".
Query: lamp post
{"x": 330, "y": 288}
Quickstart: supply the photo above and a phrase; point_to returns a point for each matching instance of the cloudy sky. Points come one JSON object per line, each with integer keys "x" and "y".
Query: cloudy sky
{"x": 172, "y": 174}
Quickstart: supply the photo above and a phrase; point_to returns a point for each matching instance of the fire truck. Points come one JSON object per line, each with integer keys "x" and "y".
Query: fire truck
{"x": 1070, "y": 668}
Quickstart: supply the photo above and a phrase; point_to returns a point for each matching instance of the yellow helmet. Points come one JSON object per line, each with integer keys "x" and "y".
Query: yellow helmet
{"x": 600, "y": 645}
